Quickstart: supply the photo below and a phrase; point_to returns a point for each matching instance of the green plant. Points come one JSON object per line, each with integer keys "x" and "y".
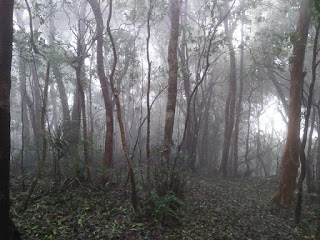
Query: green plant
{"x": 163, "y": 209}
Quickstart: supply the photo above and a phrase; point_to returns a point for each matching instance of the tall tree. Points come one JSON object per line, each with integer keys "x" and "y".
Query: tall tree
{"x": 134, "y": 197}
{"x": 148, "y": 98}
{"x": 108, "y": 152}
{"x": 59, "y": 80}
{"x": 229, "y": 27}
{"x": 172, "y": 84}
{"x": 239, "y": 106}
{"x": 40, "y": 164}
{"x": 290, "y": 159}
{"x": 6, "y": 35}
{"x": 303, "y": 159}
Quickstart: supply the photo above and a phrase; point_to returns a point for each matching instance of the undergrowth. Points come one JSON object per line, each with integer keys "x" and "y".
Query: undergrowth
{"x": 211, "y": 209}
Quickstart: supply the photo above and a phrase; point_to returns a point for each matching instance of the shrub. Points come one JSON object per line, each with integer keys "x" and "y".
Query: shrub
{"x": 163, "y": 209}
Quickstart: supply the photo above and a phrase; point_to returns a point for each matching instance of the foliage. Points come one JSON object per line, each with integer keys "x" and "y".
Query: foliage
{"x": 163, "y": 209}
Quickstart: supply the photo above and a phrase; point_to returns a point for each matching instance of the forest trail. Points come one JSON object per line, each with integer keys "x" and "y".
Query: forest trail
{"x": 213, "y": 209}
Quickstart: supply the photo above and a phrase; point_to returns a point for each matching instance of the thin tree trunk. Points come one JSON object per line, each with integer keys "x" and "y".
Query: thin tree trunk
{"x": 309, "y": 176}
{"x": 115, "y": 92}
{"x": 306, "y": 126}
{"x": 276, "y": 84}
{"x": 91, "y": 117}
{"x": 25, "y": 138}
{"x": 318, "y": 143}
{"x": 61, "y": 88}
{"x": 84, "y": 123}
{"x": 26, "y": 198}
{"x": 148, "y": 99}
{"x": 205, "y": 133}
{"x": 239, "y": 105}
{"x": 247, "y": 172}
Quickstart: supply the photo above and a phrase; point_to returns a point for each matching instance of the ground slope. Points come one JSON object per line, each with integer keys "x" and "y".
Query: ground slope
{"x": 213, "y": 209}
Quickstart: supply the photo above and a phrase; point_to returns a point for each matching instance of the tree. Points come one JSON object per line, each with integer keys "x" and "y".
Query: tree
{"x": 40, "y": 164}
{"x": 172, "y": 86}
{"x": 239, "y": 106}
{"x": 134, "y": 197}
{"x": 303, "y": 160}
{"x": 231, "y": 99}
{"x": 6, "y": 36}
{"x": 148, "y": 98}
{"x": 108, "y": 152}
{"x": 290, "y": 159}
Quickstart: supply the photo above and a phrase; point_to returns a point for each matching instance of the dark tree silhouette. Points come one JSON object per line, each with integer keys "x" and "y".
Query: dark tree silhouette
{"x": 6, "y": 35}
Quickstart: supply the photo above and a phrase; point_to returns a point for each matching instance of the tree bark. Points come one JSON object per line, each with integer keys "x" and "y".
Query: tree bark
{"x": 230, "y": 103}
{"x": 172, "y": 92}
{"x": 24, "y": 203}
{"x": 148, "y": 99}
{"x": 303, "y": 159}
{"x": 61, "y": 88}
{"x": 172, "y": 81}
{"x": 247, "y": 172}
{"x": 290, "y": 159}
{"x": 134, "y": 197}
{"x": 309, "y": 161}
{"x": 108, "y": 153}
{"x": 25, "y": 138}
{"x": 6, "y": 36}
{"x": 203, "y": 156}
{"x": 239, "y": 106}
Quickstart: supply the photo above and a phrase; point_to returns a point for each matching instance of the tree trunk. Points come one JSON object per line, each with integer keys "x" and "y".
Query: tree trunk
{"x": 230, "y": 103}
{"x": 205, "y": 133}
{"x": 277, "y": 85}
{"x": 183, "y": 54}
{"x": 290, "y": 159}
{"x": 172, "y": 89}
{"x": 148, "y": 99}
{"x": 306, "y": 126}
{"x": 247, "y": 172}
{"x": 318, "y": 144}
{"x": 309, "y": 162}
{"x": 134, "y": 197}
{"x": 172, "y": 81}
{"x": 61, "y": 88}
{"x": 24, "y": 116}
{"x": 24, "y": 203}
{"x": 108, "y": 153}
{"x": 239, "y": 105}
{"x": 91, "y": 117}
{"x": 6, "y": 35}
{"x": 74, "y": 134}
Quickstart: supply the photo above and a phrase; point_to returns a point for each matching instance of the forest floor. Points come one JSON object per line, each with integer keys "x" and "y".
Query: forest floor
{"x": 212, "y": 209}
